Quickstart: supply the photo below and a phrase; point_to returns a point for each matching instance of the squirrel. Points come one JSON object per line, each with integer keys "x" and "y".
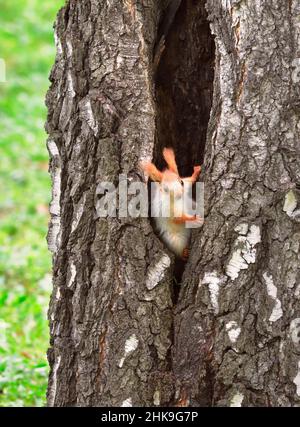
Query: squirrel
{"x": 172, "y": 230}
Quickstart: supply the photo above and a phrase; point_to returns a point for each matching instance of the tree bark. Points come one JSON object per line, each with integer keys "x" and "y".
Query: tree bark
{"x": 120, "y": 336}
{"x": 238, "y": 312}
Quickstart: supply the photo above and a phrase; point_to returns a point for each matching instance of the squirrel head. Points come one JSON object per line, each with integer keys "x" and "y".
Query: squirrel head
{"x": 170, "y": 180}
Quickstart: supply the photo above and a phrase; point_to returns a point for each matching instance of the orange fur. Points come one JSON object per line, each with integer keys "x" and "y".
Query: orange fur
{"x": 172, "y": 229}
{"x": 182, "y": 219}
{"x": 196, "y": 173}
{"x": 152, "y": 171}
{"x": 169, "y": 157}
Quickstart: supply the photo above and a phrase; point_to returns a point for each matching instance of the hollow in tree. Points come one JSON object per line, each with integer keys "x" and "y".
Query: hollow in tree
{"x": 218, "y": 82}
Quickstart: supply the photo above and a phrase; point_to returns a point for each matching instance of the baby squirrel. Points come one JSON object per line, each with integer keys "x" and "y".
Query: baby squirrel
{"x": 172, "y": 229}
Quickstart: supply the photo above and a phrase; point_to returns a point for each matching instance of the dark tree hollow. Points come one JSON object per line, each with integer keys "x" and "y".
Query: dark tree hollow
{"x": 184, "y": 91}
{"x": 184, "y": 87}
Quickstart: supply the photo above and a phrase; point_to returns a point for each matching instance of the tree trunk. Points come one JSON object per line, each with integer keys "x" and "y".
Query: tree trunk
{"x": 228, "y": 93}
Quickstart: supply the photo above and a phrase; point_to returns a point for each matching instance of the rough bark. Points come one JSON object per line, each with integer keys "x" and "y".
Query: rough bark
{"x": 110, "y": 321}
{"x": 118, "y": 335}
{"x": 238, "y": 313}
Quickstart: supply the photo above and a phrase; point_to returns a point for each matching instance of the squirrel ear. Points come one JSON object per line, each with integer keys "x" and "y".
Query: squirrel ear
{"x": 196, "y": 173}
{"x": 152, "y": 171}
{"x": 169, "y": 157}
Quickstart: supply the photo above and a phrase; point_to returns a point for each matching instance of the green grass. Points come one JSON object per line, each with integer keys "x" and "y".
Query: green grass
{"x": 27, "y": 47}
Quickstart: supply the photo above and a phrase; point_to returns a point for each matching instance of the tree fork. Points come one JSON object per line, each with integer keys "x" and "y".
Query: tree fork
{"x": 118, "y": 335}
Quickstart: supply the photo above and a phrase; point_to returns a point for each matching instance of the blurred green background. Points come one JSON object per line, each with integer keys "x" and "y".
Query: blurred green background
{"x": 27, "y": 47}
